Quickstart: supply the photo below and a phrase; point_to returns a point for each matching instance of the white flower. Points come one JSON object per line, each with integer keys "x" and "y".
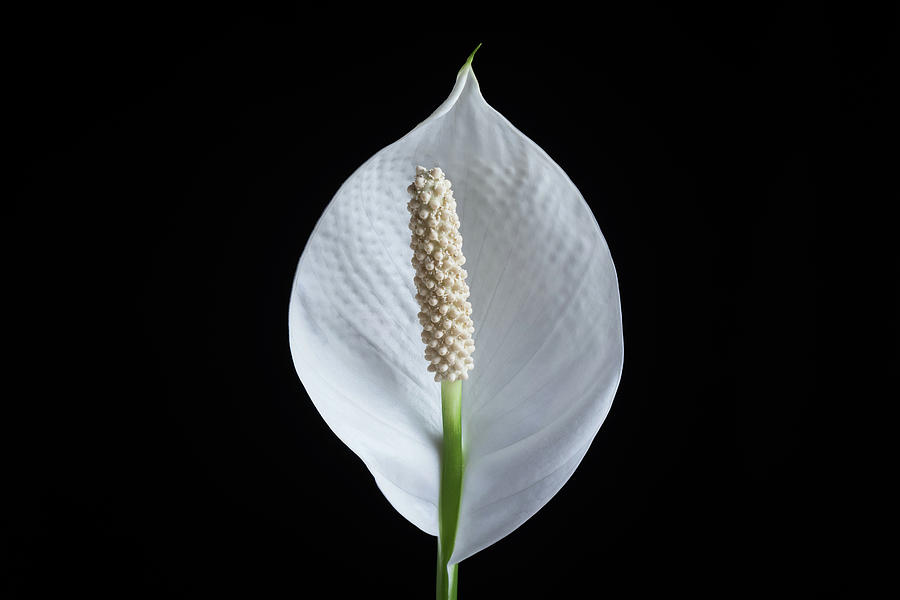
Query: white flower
{"x": 545, "y": 306}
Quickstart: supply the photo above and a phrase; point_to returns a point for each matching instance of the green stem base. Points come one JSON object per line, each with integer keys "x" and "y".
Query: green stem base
{"x": 447, "y": 576}
{"x": 451, "y": 487}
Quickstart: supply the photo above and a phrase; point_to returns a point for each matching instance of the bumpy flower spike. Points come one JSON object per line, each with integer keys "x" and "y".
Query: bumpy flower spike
{"x": 442, "y": 291}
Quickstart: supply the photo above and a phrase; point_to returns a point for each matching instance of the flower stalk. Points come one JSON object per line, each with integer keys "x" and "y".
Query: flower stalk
{"x": 452, "y": 465}
{"x": 447, "y": 329}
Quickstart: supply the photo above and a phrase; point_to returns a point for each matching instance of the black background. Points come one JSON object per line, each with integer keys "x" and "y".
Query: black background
{"x": 168, "y": 167}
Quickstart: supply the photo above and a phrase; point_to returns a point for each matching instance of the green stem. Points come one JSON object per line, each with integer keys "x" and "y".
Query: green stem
{"x": 451, "y": 487}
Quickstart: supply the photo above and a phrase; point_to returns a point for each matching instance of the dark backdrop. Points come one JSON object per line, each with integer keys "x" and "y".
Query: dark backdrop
{"x": 168, "y": 167}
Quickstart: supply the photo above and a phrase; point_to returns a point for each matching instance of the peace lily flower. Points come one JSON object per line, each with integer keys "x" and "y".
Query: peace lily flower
{"x": 473, "y": 457}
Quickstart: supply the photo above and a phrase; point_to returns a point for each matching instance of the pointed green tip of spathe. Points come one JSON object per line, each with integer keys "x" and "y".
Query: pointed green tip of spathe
{"x": 471, "y": 56}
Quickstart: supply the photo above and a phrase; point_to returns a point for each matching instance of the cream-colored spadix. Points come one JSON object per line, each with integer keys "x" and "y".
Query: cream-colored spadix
{"x": 441, "y": 288}
{"x": 545, "y": 307}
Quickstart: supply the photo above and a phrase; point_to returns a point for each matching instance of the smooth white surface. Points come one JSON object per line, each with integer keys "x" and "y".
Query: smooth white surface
{"x": 548, "y": 328}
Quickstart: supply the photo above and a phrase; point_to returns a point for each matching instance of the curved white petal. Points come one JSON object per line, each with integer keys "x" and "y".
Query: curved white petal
{"x": 548, "y": 331}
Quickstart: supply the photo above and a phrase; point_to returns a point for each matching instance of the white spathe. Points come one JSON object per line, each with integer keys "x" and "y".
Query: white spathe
{"x": 545, "y": 300}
